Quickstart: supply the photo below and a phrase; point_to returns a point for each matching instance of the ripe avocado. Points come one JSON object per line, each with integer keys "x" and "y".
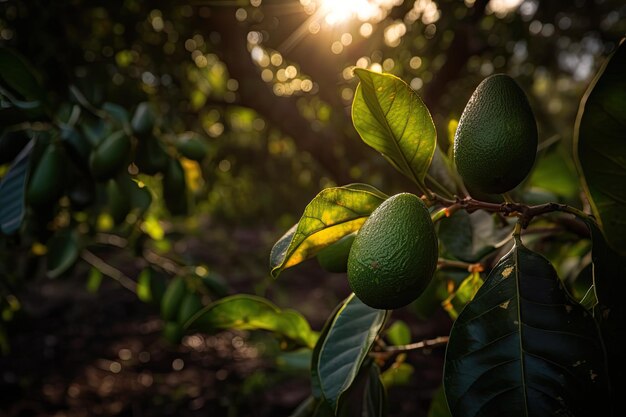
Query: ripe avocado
{"x": 394, "y": 255}
{"x": 496, "y": 140}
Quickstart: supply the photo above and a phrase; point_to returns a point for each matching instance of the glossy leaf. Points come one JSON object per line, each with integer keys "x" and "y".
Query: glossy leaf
{"x": 374, "y": 395}
{"x": 391, "y": 118}
{"x": 346, "y": 346}
{"x": 12, "y": 189}
{"x": 524, "y": 347}
{"x": 600, "y": 148}
{"x": 469, "y": 237}
{"x": 248, "y": 312}
{"x": 316, "y": 388}
{"x": 332, "y": 214}
{"x": 63, "y": 251}
{"x": 609, "y": 287}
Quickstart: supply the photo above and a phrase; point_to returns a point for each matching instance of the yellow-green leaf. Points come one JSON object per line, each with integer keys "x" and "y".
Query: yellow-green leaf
{"x": 332, "y": 214}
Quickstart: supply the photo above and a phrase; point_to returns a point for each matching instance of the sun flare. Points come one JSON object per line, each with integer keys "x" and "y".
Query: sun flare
{"x": 341, "y": 11}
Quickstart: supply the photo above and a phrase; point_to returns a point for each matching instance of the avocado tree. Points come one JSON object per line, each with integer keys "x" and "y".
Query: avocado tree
{"x": 524, "y": 341}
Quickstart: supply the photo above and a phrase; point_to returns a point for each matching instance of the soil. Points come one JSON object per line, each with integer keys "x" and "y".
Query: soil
{"x": 77, "y": 353}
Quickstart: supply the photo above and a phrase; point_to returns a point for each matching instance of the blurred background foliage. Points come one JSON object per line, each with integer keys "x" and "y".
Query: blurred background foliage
{"x": 270, "y": 83}
{"x": 265, "y": 88}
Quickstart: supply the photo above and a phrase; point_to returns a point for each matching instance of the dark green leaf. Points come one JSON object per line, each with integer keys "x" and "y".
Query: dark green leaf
{"x": 469, "y": 237}
{"x": 391, "y": 118}
{"x": 609, "y": 287}
{"x": 63, "y": 251}
{"x": 600, "y": 146}
{"x": 16, "y": 74}
{"x": 332, "y": 214}
{"x": 12, "y": 189}
{"x": 316, "y": 388}
{"x": 248, "y": 312}
{"x": 524, "y": 347}
{"x": 375, "y": 395}
{"x": 345, "y": 348}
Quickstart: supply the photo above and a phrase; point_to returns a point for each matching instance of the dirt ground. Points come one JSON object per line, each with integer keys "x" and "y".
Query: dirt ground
{"x": 76, "y": 353}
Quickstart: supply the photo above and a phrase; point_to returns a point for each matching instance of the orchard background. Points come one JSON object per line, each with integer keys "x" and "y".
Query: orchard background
{"x": 235, "y": 114}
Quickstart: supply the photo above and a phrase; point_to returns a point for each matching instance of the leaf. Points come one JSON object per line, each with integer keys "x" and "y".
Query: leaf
{"x": 375, "y": 396}
{"x": 608, "y": 289}
{"x": 469, "y": 237}
{"x": 555, "y": 172}
{"x": 12, "y": 189}
{"x": 349, "y": 340}
{"x": 332, "y": 214}
{"x": 463, "y": 295}
{"x": 316, "y": 388}
{"x": 439, "y": 405}
{"x": 94, "y": 280}
{"x": 249, "y": 312}
{"x": 399, "y": 333}
{"x": 398, "y": 374}
{"x": 391, "y": 118}
{"x": 63, "y": 251}
{"x": 523, "y": 347}
{"x": 15, "y": 73}
{"x": 600, "y": 148}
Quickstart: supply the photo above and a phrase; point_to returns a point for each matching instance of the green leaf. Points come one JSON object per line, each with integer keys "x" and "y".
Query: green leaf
{"x": 399, "y": 374}
{"x": 608, "y": 289}
{"x": 524, "y": 347}
{"x": 399, "y": 333}
{"x": 469, "y": 237}
{"x": 12, "y": 189}
{"x": 439, "y": 405}
{"x": 94, "y": 280}
{"x": 297, "y": 360}
{"x": 16, "y": 74}
{"x": 391, "y": 118}
{"x": 63, "y": 251}
{"x": 349, "y": 340}
{"x": 375, "y": 395}
{"x": 332, "y": 214}
{"x": 555, "y": 172}
{"x": 316, "y": 388}
{"x": 600, "y": 147}
{"x": 249, "y": 312}
{"x": 463, "y": 295}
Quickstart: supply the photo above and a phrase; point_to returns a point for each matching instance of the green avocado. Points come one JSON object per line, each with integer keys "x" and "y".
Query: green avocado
{"x": 496, "y": 141}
